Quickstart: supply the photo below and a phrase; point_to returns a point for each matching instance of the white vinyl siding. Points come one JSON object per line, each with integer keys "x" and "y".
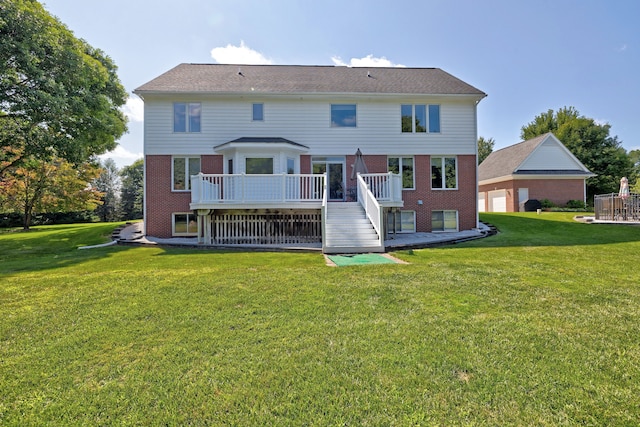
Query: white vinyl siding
{"x": 550, "y": 156}
{"x": 306, "y": 122}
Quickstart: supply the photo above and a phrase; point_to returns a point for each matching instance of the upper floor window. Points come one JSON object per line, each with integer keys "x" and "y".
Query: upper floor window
{"x": 404, "y": 167}
{"x": 419, "y": 118}
{"x": 434, "y": 119}
{"x": 343, "y": 115}
{"x": 258, "y": 112}
{"x": 444, "y": 173}
{"x": 183, "y": 168}
{"x": 186, "y": 116}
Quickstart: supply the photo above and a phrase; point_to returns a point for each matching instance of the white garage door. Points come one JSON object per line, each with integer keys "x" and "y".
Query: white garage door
{"x": 498, "y": 201}
{"x": 481, "y": 202}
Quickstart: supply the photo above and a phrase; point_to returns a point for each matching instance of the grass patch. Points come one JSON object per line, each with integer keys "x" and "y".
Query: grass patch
{"x": 536, "y": 325}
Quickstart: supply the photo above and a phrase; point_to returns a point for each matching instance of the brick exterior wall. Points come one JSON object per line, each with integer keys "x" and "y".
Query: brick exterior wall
{"x": 559, "y": 191}
{"x": 463, "y": 199}
{"x": 160, "y": 201}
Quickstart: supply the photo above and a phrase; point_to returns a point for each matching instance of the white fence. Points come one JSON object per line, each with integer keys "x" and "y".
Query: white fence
{"x": 266, "y": 228}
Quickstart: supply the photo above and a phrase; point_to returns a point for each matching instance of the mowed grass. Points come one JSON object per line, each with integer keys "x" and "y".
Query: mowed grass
{"x": 538, "y": 325}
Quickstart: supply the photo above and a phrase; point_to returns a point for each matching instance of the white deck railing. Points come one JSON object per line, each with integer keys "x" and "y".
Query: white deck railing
{"x": 242, "y": 188}
{"x": 386, "y": 187}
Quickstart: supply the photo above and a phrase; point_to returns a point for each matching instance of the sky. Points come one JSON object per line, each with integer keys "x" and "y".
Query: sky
{"x": 527, "y": 56}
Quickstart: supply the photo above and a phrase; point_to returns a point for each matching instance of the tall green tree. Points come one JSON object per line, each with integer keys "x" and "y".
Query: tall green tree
{"x": 485, "y": 147}
{"x": 590, "y": 142}
{"x": 49, "y": 186}
{"x": 634, "y": 178}
{"x": 108, "y": 183}
{"x": 131, "y": 195}
{"x": 59, "y": 96}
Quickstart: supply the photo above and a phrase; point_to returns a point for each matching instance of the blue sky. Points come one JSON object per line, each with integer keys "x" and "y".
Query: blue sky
{"x": 528, "y": 56}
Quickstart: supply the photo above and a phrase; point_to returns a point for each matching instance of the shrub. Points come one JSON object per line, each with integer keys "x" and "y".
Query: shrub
{"x": 576, "y": 204}
{"x": 546, "y": 204}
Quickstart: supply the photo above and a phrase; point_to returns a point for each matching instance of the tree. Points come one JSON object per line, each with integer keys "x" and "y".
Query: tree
{"x": 108, "y": 183}
{"x": 131, "y": 196}
{"x": 59, "y": 97}
{"x": 485, "y": 147}
{"x": 40, "y": 186}
{"x": 589, "y": 142}
{"x": 634, "y": 178}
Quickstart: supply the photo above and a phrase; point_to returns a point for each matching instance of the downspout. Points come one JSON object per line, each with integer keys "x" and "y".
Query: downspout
{"x": 475, "y": 112}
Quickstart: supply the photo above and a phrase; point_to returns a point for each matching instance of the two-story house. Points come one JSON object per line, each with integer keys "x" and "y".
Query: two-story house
{"x": 269, "y": 154}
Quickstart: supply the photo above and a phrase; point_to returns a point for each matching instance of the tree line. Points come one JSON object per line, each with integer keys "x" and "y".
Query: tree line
{"x": 56, "y": 192}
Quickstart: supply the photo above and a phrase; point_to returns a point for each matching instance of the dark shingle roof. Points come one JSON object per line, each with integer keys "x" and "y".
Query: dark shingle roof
{"x": 505, "y": 161}
{"x": 261, "y": 140}
{"x": 295, "y": 79}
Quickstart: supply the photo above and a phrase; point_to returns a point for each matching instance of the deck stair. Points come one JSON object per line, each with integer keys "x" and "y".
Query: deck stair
{"x": 348, "y": 230}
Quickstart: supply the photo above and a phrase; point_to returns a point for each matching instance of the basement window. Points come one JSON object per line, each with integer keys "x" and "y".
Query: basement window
{"x": 444, "y": 220}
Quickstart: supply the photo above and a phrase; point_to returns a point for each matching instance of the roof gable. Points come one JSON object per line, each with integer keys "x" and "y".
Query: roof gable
{"x": 542, "y": 155}
{"x": 300, "y": 79}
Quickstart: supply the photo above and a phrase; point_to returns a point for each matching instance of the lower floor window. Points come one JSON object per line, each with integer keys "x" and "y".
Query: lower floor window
{"x": 259, "y": 165}
{"x": 185, "y": 224}
{"x": 402, "y": 221}
{"x": 444, "y": 220}
{"x": 404, "y": 167}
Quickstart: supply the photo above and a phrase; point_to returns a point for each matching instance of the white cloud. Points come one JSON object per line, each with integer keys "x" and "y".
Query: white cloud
{"x": 121, "y": 156}
{"x": 134, "y": 109}
{"x": 242, "y": 54}
{"x": 367, "y": 61}
{"x": 622, "y": 48}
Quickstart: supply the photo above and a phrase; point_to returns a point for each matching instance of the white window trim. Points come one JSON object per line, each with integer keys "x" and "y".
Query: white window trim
{"x": 173, "y": 223}
{"x": 444, "y": 180}
{"x": 342, "y": 127}
{"x": 427, "y": 124}
{"x": 253, "y": 118}
{"x": 439, "y": 119}
{"x": 413, "y": 161}
{"x": 274, "y": 162}
{"x": 400, "y": 212}
{"x": 186, "y": 124}
{"x": 188, "y": 175}
{"x": 443, "y": 221}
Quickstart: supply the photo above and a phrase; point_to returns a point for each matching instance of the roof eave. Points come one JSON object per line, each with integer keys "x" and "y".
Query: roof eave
{"x": 474, "y": 97}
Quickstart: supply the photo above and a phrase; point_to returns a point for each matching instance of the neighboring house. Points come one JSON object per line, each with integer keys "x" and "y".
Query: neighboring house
{"x": 540, "y": 168}
{"x": 266, "y": 154}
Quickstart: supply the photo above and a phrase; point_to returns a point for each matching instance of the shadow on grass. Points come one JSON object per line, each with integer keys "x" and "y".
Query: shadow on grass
{"x": 49, "y": 247}
{"x": 552, "y": 229}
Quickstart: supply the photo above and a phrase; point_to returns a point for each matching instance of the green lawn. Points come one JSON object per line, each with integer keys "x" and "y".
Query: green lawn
{"x": 538, "y": 325}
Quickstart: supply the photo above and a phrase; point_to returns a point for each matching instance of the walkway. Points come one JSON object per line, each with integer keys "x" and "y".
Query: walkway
{"x": 131, "y": 234}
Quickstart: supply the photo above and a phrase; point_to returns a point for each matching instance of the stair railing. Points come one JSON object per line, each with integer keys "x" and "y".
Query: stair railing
{"x": 372, "y": 208}
{"x": 323, "y": 211}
